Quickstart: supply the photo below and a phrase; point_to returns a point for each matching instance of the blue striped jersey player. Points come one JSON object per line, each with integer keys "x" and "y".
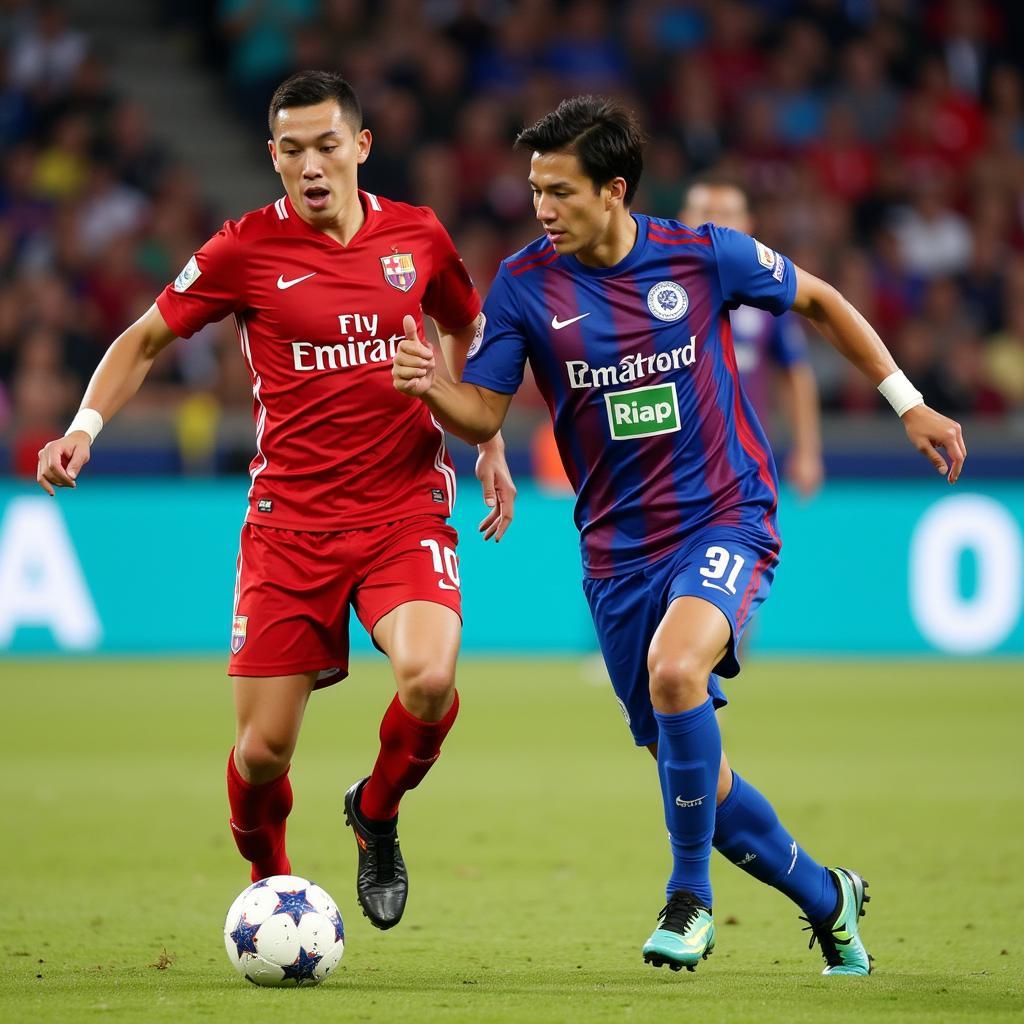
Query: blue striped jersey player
{"x": 624, "y": 321}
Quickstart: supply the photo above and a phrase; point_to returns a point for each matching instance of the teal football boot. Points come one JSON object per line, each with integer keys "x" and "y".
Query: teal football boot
{"x": 838, "y": 936}
{"x": 685, "y": 934}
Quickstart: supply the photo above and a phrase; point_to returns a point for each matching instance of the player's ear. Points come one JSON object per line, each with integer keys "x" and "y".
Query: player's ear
{"x": 616, "y": 193}
{"x": 364, "y": 140}
{"x": 273, "y": 154}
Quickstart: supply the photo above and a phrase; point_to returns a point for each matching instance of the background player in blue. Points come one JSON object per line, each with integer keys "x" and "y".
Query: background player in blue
{"x": 625, "y": 321}
{"x": 771, "y": 351}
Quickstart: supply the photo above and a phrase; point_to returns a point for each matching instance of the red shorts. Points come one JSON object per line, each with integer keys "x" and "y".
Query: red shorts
{"x": 293, "y": 591}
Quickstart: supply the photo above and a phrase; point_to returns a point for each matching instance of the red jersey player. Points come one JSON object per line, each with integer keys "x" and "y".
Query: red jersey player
{"x": 351, "y": 484}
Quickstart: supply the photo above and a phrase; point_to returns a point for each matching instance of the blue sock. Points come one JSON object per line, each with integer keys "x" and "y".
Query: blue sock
{"x": 689, "y": 752}
{"x": 749, "y": 833}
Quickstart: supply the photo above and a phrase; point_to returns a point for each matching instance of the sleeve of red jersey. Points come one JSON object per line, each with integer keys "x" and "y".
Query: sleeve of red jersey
{"x": 450, "y": 297}
{"x": 209, "y": 287}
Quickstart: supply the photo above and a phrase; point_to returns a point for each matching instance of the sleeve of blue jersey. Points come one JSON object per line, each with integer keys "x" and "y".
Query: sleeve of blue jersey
{"x": 750, "y": 273}
{"x": 788, "y": 344}
{"x": 499, "y": 362}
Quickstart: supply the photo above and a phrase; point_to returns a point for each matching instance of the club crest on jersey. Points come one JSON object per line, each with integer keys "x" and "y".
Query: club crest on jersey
{"x": 239, "y": 625}
{"x": 668, "y": 301}
{"x": 399, "y": 270}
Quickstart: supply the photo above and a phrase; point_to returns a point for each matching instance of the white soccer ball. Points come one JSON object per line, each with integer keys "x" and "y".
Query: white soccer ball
{"x": 284, "y": 931}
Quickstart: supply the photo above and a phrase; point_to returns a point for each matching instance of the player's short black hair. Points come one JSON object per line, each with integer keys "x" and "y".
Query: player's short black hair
{"x": 605, "y": 137}
{"x": 308, "y": 88}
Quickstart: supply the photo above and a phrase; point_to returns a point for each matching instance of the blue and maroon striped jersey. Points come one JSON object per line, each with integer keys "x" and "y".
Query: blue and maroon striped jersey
{"x": 637, "y": 367}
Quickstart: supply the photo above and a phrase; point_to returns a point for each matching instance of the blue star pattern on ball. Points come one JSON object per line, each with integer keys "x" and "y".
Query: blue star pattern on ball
{"x": 244, "y": 936}
{"x": 294, "y": 904}
{"x": 301, "y": 969}
{"x": 339, "y": 927}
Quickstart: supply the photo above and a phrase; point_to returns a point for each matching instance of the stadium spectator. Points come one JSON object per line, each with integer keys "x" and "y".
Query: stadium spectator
{"x": 934, "y": 239}
{"x": 261, "y": 36}
{"x": 890, "y": 135}
{"x": 46, "y": 53}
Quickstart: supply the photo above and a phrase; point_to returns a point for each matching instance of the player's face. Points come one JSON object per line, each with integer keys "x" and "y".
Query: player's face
{"x": 317, "y": 152}
{"x": 576, "y": 215}
{"x": 718, "y": 204}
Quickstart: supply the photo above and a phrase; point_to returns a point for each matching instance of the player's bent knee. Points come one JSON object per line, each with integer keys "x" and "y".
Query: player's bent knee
{"x": 425, "y": 689}
{"x": 679, "y": 682}
{"x": 263, "y": 757}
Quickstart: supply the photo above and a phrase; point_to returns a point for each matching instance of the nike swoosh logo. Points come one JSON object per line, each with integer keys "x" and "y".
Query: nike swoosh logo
{"x": 715, "y": 586}
{"x": 282, "y": 283}
{"x": 559, "y": 324}
{"x": 446, "y": 586}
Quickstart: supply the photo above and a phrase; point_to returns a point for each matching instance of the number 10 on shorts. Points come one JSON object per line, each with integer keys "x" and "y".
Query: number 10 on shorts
{"x": 446, "y": 564}
{"x": 721, "y": 566}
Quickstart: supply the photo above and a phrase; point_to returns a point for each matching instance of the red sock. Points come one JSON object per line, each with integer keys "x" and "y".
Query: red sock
{"x": 408, "y": 747}
{"x": 258, "y": 816}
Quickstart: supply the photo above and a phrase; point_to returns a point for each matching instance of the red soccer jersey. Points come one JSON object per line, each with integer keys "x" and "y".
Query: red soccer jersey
{"x": 337, "y": 447}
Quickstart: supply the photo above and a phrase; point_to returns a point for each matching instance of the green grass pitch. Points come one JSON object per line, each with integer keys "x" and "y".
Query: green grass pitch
{"x": 536, "y": 849}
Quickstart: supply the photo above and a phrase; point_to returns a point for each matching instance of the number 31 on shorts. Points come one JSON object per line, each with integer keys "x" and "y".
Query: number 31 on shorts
{"x": 446, "y": 564}
{"x": 722, "y": 566}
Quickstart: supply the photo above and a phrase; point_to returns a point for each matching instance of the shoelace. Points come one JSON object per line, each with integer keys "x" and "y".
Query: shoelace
{"x": 826, "y": 941}
{"x": 381, "y": 852}
{"x": 681, "y": 909}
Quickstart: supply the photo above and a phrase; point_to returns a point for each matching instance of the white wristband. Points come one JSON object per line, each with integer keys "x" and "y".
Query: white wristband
{"x": 900, "y": 393}
{"x": 88, "y": 420}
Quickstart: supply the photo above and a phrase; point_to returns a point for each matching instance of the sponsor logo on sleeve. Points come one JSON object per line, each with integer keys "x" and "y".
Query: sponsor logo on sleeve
{"x": 765, "y": 256}
{"x": 642, "y": 412}
{"x": 668, "y": 301}
{"x": 478, "y": 336}
{"x": 780, "y": 267}
{"x": 188, "y": 276}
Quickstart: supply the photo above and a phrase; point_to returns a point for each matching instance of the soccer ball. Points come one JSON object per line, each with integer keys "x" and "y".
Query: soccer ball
{"x": 284, "y": 931}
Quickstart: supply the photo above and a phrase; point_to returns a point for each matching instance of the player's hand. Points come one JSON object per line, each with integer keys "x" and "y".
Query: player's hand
{"x": 805, "y": 471}
{"x": 498, "y": 489}
{"x": 928, "y": 431}
{"x": 413, "y": 369}
{"x": 62, "y": 460}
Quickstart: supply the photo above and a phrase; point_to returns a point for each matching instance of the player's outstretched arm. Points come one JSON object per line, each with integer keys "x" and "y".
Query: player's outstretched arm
{"x": 853, "y": 337}
{"x": 119, "y": 375}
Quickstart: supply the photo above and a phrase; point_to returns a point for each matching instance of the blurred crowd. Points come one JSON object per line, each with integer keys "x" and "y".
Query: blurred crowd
{"x": 882, "y": 142}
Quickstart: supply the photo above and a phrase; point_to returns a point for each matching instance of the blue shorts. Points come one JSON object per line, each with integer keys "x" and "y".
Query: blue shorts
{"x": 731, "y": 568}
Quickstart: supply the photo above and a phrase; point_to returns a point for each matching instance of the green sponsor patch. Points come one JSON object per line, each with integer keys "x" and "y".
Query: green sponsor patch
{"x": 642, "y": 412}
